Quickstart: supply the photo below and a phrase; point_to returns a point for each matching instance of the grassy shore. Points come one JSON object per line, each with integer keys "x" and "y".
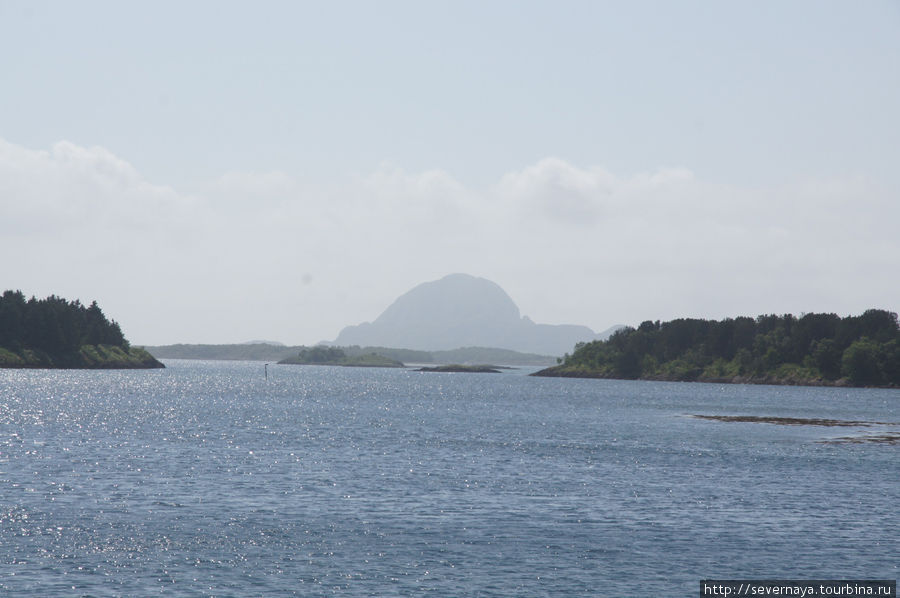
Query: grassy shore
{"x": 88, "y": 357}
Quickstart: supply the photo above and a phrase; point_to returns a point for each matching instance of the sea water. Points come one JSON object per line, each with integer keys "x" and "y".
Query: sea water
{"x": 209, "y": 479}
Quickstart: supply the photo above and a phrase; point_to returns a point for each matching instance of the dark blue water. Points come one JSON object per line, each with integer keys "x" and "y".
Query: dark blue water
{"x": 205, "y": 479}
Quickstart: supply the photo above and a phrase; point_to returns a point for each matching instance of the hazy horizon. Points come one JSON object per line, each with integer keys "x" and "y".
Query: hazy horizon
{"x": 220, "y": 172}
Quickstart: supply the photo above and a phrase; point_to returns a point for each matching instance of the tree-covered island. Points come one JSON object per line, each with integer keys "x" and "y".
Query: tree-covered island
{"x": 56, "y": 333}
{"x": 815, "y": 349}
{"x": 321, "y": 355}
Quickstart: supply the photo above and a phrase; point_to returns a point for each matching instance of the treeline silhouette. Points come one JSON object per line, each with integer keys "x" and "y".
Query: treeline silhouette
{"x": 859, "y": 350}
{"x": 54, "y": 325}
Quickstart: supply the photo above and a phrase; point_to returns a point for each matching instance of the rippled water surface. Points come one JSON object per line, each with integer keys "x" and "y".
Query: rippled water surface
{"x": 206, "y": 479}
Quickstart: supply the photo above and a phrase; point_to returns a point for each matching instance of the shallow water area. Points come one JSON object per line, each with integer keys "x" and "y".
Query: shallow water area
{"x": 207, "y": 479}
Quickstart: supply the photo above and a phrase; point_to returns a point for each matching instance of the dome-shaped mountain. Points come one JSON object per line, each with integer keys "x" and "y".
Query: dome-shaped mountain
{"x": 460, "y": 310}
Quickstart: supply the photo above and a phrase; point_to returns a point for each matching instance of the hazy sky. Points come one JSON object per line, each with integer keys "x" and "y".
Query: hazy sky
{"x": 221, "y": 172}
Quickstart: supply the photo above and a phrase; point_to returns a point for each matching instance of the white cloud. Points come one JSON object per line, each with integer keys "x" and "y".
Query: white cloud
{"x": 264, "y": 186}
{"x": 72, "y": 188}
{"x": 95, "y": 163}
{"x": 267, "y": 255}
{"x": 552, "y": 188}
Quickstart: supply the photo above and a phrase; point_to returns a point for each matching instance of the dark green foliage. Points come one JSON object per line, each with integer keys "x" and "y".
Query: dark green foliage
{"x": 826, "y": 357}
{"x": 52, "y": 330}
{"x": 402, "y": 355}
{"x": 861, "y": 350}
{"x": 12, "y": 320}
{"x": 321, "y": 354}
{"x": 860, "y": 362}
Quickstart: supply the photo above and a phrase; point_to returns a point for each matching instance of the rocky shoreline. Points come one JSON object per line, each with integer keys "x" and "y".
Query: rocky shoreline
{"x": 563, "y": 372}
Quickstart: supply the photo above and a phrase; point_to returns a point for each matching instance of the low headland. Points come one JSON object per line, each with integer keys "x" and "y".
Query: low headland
{"x": 60, "y": 334}
{"x": 812, "y": 350}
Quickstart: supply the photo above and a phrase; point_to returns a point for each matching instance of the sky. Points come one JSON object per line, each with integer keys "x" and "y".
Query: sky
{"x": 217, "y": 172}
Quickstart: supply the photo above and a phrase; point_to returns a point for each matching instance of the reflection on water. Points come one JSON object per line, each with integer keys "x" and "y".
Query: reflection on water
{"x": 207, "y": 479}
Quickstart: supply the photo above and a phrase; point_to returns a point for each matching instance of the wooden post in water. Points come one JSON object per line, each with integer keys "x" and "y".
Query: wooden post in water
{"x": 267, "y": 371}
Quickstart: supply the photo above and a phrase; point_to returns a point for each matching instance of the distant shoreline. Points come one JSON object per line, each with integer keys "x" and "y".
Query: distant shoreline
{"x": 267, "y": 352}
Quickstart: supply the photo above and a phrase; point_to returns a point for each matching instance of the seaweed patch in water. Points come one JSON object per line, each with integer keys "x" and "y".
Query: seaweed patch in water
{"x": 889, "y": 438}
{"x": 792, "y": 421}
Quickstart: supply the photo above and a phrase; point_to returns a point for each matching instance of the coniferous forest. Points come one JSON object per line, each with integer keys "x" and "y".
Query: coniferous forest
{"x": 54, "y": 332}
{"x": 812, "y": 349}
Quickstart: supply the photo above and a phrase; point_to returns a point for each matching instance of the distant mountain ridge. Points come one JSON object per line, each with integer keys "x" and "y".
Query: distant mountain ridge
{"x": 461, "y": 310}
